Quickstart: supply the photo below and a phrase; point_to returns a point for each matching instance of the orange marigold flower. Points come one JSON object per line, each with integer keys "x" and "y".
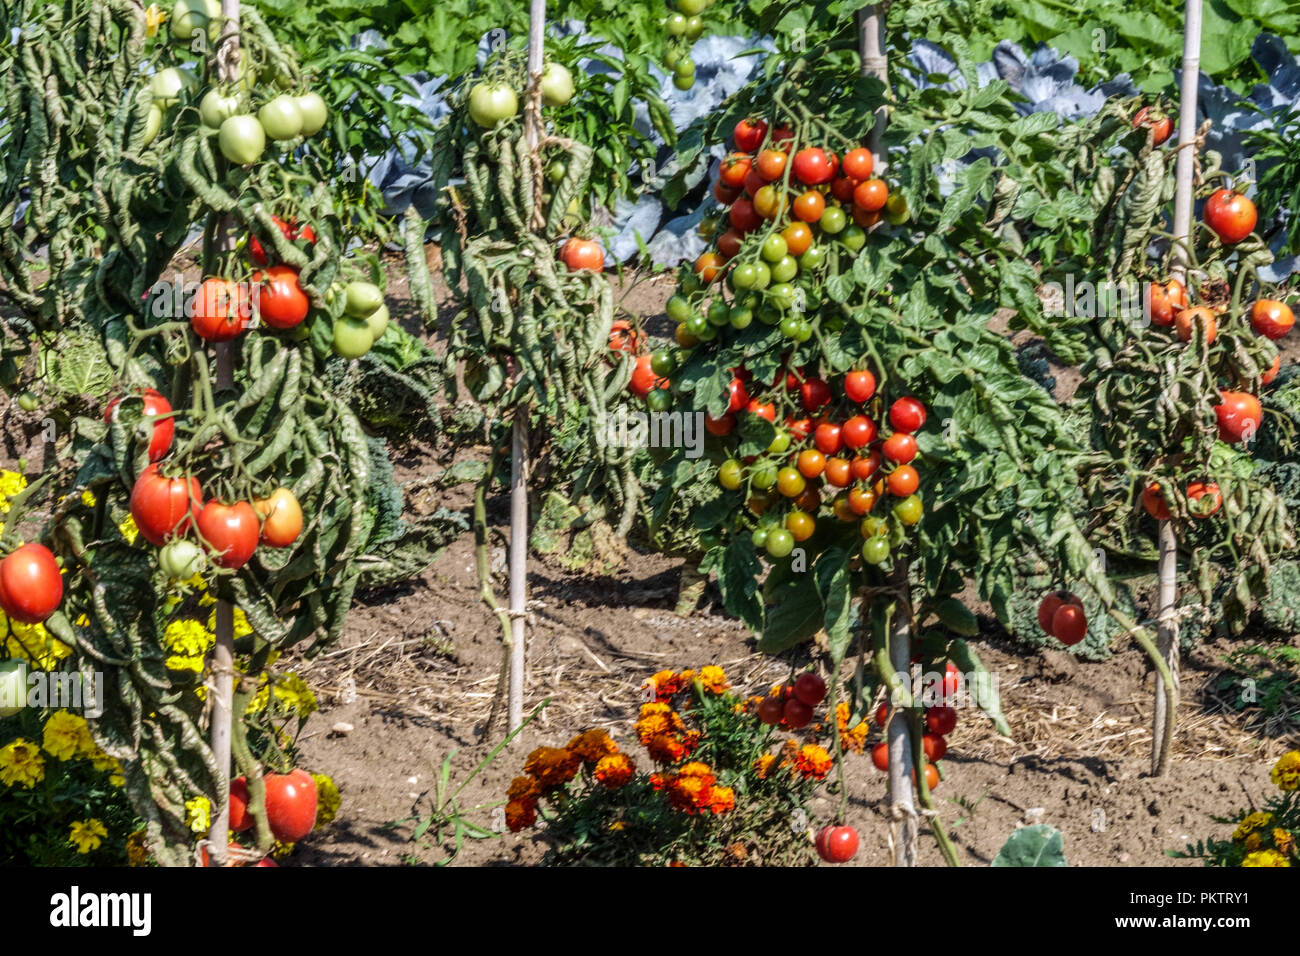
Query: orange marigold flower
{"x": 722, "y": 799}
{"x": 523, "y": 788}
{"x": 689, "y": 794}
{"x": 657, "y": 718}
{"x": 764, "y": 764}
{"x": 520, "y": 814}
{"x": 813, "y": 761}
{"x": 1283, "y": 840}
{"x": 691, "y": 740}
{"x": 591, "y": 745}
{"x": 552, "y": 767}
{"x": 789, "y": 752}
{"x": 713, "y": 679}
{"x": 657, "y": 781}
{"x": 614, "y": 770}
{"x": 665, "y": 748}
{"x": 697, "y": 768}
{"x": 855, "y": 738}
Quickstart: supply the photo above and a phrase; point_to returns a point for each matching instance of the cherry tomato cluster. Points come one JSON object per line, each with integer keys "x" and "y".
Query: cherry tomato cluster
{"x": 1061, "y": 616}
{"x": 791, "y": 705}
{"x": 684, "y": 26}
{"x": 940, "y": 720}
{"x": 833, "y": 459}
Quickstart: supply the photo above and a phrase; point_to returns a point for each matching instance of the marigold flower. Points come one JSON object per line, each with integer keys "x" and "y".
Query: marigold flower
{"x": 657, "y": 718}
{"x": 11, "y": 484}
{"x": 1286, "y": 772}
{"x": 520, "y": 814}
{"x": 666, "y": 685}
{"x": 657, "y": 781}
{"x": 67, "y": 735}
{"x": 813, "y": 762}
{"x": 713, "y": 679}
{"x": 198, "y": 814}
{"x": 328, "y": 799}
{"x": 21, "y": 764}
{"x": 1251, "y": 823}
{"x": 614, "y": 770}
{"x": 592, "y": 745}
{"x": 854, "y": 738}
{"x": 1265, "y": 858}
{"x": 764, "y": 764}
{"x": 1284, "y": 840}
{"x": 552, "y": 767}
{"x": 690, "y": 741}
{"x": 137, "y": 851}
{"x": 697, "y": 769}
{"x": 665, "y": 748}
{"x": 722, "y": 799}
{"x": 689, "y": 794}
{"x": 523, "y": 788}
{"x": 87, "y": 835}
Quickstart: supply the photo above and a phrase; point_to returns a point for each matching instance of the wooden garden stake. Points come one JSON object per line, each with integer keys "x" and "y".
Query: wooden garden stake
{"x": 1166, "y": 703}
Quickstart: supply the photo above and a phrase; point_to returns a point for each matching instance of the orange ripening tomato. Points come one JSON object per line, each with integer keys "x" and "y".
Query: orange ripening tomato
{"x": 798, "y": 238}
{"x": 871, "y": 195}
{"x": 809, "y": 206}
{"x": 1271, "y": 318}
{"x": 1272, "y": 372}
{"x": 902, "y": 481}
{"x": 709, "y": 266}
{"x": 1153, "y": 500}
{"x": 220, "y": 310}
{"x": 1186, "y": 322}
{"x": 811, "y": 463}
{"x": 281, "y": 518}
{"x": 734, "y": 169}
{"x": 1204, "y": 498}
{"x": 771, "y": 164}
{"x": 838, "y": 472}
{"x": 581, "y": 255}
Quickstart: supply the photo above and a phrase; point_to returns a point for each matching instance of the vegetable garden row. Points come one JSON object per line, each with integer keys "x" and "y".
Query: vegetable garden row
{"x": 856, "y": 429}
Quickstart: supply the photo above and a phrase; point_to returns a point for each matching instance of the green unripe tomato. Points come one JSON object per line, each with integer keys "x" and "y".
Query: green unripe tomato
{"x": 804, "y": 332}
{"x": 555, "y": 171}
{"x": 785, "y": 269}
{"x": 709, "y": 333}
{"x": 189, "y": 17}
{"x": 678, "y": 309}
{"x": 774, "y": 248}
{"x": 663, "y": 363}
{"x": 694, "y": 28}
{"x": 659, "y": 400}
{"x": 362, "y": 299}
{"x": 741, "y": 317}
{"x": 710, "y": 539}
{"x": 764, "y": 275}
{"x": 813, "y": 258}
{"x": 689, "y": 283}
{"x": 781, "y": 295}
{"x": 853, "y": 237}
{"x": 763, "y": 476}
{"x": 790, "y": 326}
{"x": 675, "y": 25}
{"x": 896, "y": 211}
{"x": 692, "y": 8}
{"x": 311, "y": 106}
{"x": 216, "y": 107}
{"x": 759, "y": 536}
{"x": 557, "y": 84}
{"x": 744, "y": 276}
{"x": 872, "y": 526}
{"x": 910, "y": 510}
{"x": 779, "y": 443}
{"x": 685, "y": 67}
{"x": 718, "y": 313}
{"x": 28, "y": 402}
{"x": 490, "y": 103}
{"x": 167, "y": 85}
{"x": 153, "y": 124}
{"x": 352, "y": 338}
{"x": 731, "y": 474}
{"x": 833, "y": 220}
{"x": 377, "y": 322}
{"x": 779, "y": 543}
{"x": 181, "y": 559}
{"x": 671, "y": 57}
{"x": 697, "y": 325}
{"x": 281, "y": 118}
{"x": 769, "y": 314}
{"x": 875, "y": 550}
{"x": 242, "y": 139}
{"x": 683, "y": 82}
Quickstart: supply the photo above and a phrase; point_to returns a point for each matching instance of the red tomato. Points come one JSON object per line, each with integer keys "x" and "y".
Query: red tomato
{"x": 278, "y": 298}
{"x": 796, "y": 713}
{"x": 799, "y": 428}
{"x": 1069, "y": 624}
{"x": 734, "y": 169}
{"x": 858, "y": 432}
{"x": 164, "y": 429}
{"x": 882, "y": 715}
{"x": 1239, "y": 415}
{"x": 771, "y": 164}
{"x": 291, "y": 231}
{"x": 838, "y": 473}
{"x": 31, "y": 586}
{"x": 899, "y": 447}
{"x": 864, "y": 466}
{"x": 1160, "y": 124}
{"x": 739, "y": 395}
{"x": 880, "y": 756}
{"x": 770, "y": 710}
{"x": 859, "y": 386}
{"x": 220, "y": 310}
{"x": 744, "y": 217}
{"x": 1153, "y": 500}
{"x": 1230, "y": 215}
{"x": 1271, "y": 318}
{"x": 1205, "y": 498}
{"x": 724, "y": 193}
{"x": 952, "y": 680}
{"x": 902, "y": 481}
{"x": 810, "y": 688}
{"x": 837, "y": 844}
{"x": 762, "y": 409}
{"x": 644, "y": 380}
{"x": 842, "y": 188}
{"x": 1186, "y": 322}
{"x": 582, "y": 254}
{"x": 290, "y": 804}
{"x": 1051, "y": 604}
{"x": 813, "y": 394}
{"x": 729, "y": 243}
{"x": 812, "y": 166}
{"x": 161, "y": 506}
{"x": 749, "y": 134}
{"x": 753, "y": 182}
{"x": 940, "y": 720}
{"x": 935, "y": 747}
{"x": 871, "y": 195}
{"x": 624, "y": 338}
{"x": 240, "y": 818}
{"x": 827, "y": 438}
{"x": 719, "y": 426}
{"x": 230, "y": 530}
{"x": 858, "y": 164}
{"x": 907, "y": 415}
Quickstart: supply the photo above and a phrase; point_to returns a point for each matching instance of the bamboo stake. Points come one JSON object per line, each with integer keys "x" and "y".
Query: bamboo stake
{"x": 223, "y": 654}
{"x": 1165, "y": 718}
{"x": 871, "y": 47}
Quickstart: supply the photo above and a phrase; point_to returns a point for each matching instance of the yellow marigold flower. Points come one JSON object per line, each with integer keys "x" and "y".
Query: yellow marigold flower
{"x": 187, "y": 636}
{"x": 328, "y": 800}
{"x": 128, "y": 529}
{"x": 87, "y": 499}
{"x": 1286, "y": 772}
{"x": 1251, "y": 823}
{"x": 591, "y": 745}
{"x": 1265, "y": 858}
{"x": 35, "y": 644}
{"x": 697, "y": 769}
{"x": 137, "y": 852}
{"x": 1284, "y": 840}
{"x": 183, "y": 662}
{"x": 713, "y": 679}
{"x": 280, "y": 849}
{"x": 198, "y": 814}
{"x": 551, "y": 766}
{"x": 689, "y": 793}
{"x": 618, "y": 825}
{"x": 292, "y": 696}
{"x": 763, "y": 765}
{"x": 239, "y": 620}
{"x": 614, "y": 770}
{"x": 21, "y": 764}
{"x": 812, "y": 761}
{"x": 657, "y": 718}
{"x": 11, "y": 484}
{"x": 1253, "y": 841}
{"x": 87, "y": 835}
{"x": 154, "y": 17}
{"x": 66, "y": 736}
{"x": 855, "y": 738}
{"x": 523, "y": 788}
